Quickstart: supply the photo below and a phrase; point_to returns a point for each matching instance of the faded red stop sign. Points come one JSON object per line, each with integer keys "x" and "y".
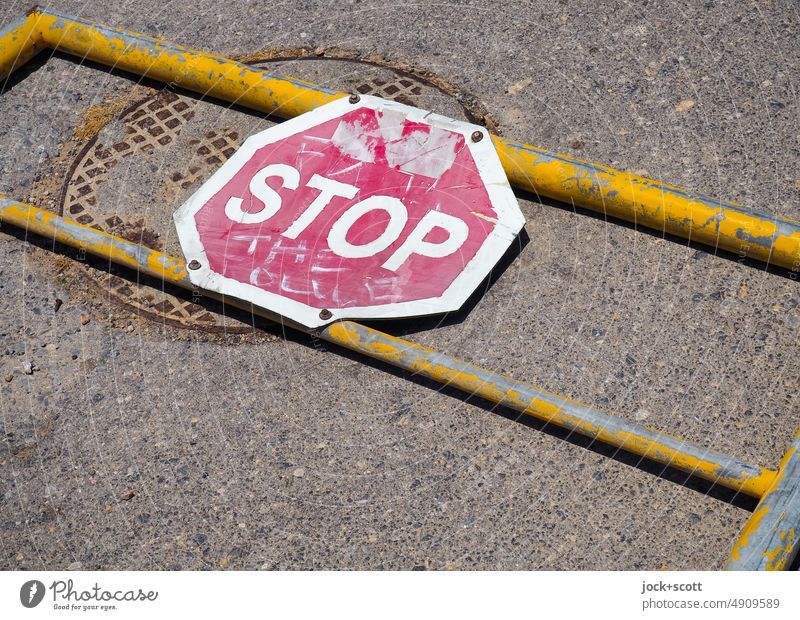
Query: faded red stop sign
{"x": 371, "y": 209}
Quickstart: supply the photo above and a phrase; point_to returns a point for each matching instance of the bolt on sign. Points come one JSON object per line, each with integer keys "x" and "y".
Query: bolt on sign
{"x": 362, "y": 208}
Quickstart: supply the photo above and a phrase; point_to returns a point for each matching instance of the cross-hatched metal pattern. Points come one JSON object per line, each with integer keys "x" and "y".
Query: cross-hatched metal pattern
{"x": 150, "y": 126}
{"x": 401, "y": 89}
{"x": 213, "y": 149}
{"x": 154, "y": 123}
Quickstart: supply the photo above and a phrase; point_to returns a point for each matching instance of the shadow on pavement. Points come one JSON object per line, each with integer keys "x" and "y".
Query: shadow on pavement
{"x": 651, "y": 467}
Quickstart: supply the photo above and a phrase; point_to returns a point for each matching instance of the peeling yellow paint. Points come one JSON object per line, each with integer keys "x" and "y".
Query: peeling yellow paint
{"x": 618, "y": 194}
{"x": 652, "y": 204}
{"x": 204, "y": 73}
{"x": 769, "y": 539}
{"x": 463, "y": 376}
{"x": 19, "y": 42}
{"x": 72, "y": 233}
{"x": 752, "y": 525}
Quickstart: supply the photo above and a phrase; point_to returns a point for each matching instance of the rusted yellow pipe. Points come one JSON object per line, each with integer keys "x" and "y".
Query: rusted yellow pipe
{"x": 207, "y": 74}
{"x": 472, "y": 380}
{"x": 771, "y": 538}
{"x": 644, "y": 202}
{"x": 19, "y": 42}
{"x": 550, "y": 408}
{"x": 655, "y": 205}
{"x": 74, "y": 234}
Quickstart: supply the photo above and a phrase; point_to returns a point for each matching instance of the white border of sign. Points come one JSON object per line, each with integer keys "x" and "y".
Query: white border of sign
{"x": 509, "y": 216}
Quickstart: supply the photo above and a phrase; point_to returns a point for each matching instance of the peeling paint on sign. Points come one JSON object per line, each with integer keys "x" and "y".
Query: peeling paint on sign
{"x": 366, "y": 211}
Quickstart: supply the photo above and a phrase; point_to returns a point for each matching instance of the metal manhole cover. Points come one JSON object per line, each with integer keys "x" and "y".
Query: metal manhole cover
{"x": 132, "y": 173}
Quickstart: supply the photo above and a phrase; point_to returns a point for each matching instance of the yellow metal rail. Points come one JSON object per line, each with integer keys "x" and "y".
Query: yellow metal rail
{"x": 770, "y": 541}
{"x": 771, "y": 538}
{"x": 618, "y": 194}
{"x": 717, "y": 468}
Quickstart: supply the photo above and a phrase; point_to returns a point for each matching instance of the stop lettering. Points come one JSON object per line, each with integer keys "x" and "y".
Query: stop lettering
{"x": 367, "y": 210}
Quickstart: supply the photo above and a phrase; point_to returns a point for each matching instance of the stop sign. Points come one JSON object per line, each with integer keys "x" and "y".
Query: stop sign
{"x": 362, "y": 208}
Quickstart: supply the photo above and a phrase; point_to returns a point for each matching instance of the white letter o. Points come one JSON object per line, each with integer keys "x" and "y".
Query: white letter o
{"x": 398, "y": 216}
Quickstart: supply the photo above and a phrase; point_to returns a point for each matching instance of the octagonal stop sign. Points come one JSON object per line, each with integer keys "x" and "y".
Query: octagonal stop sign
{"x": 370, "y": 209}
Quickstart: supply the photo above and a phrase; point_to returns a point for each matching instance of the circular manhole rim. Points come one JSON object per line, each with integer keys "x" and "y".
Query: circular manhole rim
{"x": 472, "y": 109}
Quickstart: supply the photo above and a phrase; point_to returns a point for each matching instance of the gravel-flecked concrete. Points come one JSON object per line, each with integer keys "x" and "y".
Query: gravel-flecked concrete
{"x": 129, "y": 444}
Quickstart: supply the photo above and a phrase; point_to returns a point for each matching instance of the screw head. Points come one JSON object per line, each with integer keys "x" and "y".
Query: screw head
{"x": 194, "y": 265}
{"x": 477, "y": 136}
{"x": 325, "y": 314}
{"x": 354, "y": 99}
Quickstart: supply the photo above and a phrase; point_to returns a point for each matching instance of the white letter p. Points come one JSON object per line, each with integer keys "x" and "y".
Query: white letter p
{"x": 457, "y": 231}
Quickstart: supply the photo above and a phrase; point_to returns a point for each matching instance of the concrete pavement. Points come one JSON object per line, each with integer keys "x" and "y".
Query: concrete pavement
{"x": 154, "y": 433}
